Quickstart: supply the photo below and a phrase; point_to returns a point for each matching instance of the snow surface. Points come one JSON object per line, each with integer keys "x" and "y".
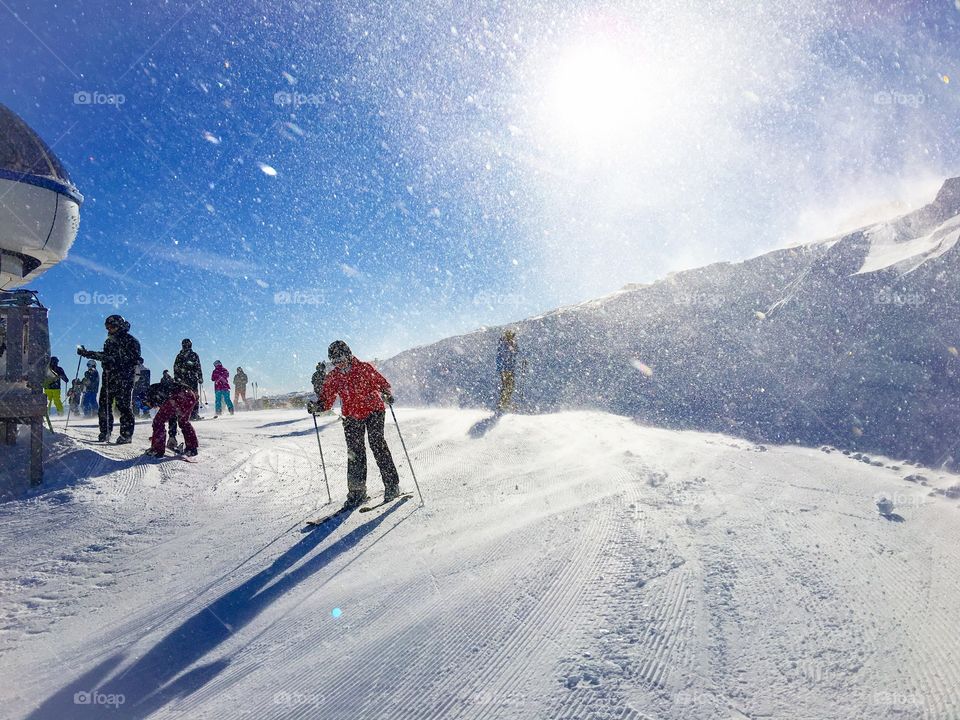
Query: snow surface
{"x": 888, "y": 251}
{"x": 573, "y": 565}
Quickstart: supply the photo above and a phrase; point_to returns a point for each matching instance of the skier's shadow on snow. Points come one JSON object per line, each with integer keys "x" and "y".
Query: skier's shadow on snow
{"x": 892, "y": 517}
{"x": 307, "y": 431}
{"x": 280, "y": 423}
{"x": 295, "y": 433}
{"x": 484, "y": 426}
{"x": 155, "y": 679}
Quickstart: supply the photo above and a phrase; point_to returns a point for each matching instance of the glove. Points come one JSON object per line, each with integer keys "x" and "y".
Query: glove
{"x": 82, "y": 351}
{"x": 388, "y": 398}
{"x": 314, "y": 408}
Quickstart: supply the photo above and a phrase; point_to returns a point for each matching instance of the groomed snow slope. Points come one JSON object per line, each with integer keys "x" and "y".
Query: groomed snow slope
{"x": 574, "y": 565}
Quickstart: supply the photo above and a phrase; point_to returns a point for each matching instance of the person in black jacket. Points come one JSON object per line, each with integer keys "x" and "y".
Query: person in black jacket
{"x": 187, "y": 369}
{"x": 119, "y": 357}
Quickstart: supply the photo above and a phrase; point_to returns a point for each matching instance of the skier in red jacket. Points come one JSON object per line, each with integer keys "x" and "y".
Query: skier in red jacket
{"x": 362, "y": 391}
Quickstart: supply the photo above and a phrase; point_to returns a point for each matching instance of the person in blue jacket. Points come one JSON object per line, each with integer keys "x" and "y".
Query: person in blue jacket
{"x": 91, "y": 386}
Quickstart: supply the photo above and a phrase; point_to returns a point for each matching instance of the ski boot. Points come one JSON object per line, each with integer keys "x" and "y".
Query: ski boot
{"x": 355, "y": 502}
{"x": 391, "y": 493}
{"x": 124, "y": 440}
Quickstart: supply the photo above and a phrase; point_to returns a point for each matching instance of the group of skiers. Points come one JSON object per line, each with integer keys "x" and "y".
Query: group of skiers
{"x": 363, "y": 392}
{"x": 82, "y": 394}
{"x": 126, "y": 386}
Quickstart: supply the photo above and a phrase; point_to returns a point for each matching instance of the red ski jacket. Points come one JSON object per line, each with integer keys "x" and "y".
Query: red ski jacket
{"x": 359, "y": 388}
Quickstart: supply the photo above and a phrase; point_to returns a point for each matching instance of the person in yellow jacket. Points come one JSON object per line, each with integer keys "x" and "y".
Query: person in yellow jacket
{"x": 51, "y": 386}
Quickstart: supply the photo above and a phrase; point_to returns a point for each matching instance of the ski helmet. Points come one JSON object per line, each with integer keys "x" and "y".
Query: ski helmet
{"x": 115, "y": 321}
{"x": 54, "y": 360}
{"x": 186, "y": 344}
{"x": 91, "y": 363}
{"x": 217, "y": 363}
{"x": 339, "y": 351}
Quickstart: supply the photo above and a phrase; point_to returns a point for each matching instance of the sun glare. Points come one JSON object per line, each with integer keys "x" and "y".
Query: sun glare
{"x": 599, "y": 93}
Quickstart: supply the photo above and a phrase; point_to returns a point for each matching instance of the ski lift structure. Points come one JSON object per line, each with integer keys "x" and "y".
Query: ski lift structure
{"x": 39, "y": 219}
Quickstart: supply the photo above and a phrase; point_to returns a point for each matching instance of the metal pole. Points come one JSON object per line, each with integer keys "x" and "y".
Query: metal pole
{"x": 407, "y": 454}
{"x": 322, "y": 463}
{"x": 69, "y": 406}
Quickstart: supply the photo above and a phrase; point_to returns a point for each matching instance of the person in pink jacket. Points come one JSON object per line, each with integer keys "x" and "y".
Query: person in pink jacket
{"x": 221, "y": 386}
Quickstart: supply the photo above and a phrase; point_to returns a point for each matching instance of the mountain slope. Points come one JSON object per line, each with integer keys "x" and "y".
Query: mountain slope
{"x": 851, "y": 341}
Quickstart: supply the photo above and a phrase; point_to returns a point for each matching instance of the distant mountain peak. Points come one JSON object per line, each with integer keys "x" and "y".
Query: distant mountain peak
{"x": 949, "y": 196}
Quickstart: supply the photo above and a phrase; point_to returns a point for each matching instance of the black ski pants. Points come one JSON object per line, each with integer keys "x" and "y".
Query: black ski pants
{"x": 372, "y": 427}
{"x": 118, "y": 390}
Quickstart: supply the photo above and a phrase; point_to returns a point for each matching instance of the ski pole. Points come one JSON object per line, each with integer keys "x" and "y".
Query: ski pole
{"x": 322, "y": 463}
{"x": 70, "y": 407}
{"x": 407, "y": 454}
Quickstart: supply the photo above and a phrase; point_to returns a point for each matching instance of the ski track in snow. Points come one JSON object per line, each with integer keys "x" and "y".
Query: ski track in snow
{"x": 565, "y": 566}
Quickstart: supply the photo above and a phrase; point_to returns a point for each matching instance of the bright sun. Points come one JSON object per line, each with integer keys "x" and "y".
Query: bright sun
{"x": 599, "y": 95}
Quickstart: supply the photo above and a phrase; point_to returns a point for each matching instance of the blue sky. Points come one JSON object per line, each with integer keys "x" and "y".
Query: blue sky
{"x": 265, "y": 177}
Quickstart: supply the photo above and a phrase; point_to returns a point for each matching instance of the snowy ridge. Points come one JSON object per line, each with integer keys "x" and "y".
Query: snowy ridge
{"x": 887, "y": 250}
{"x": 566, "y": 566}
{"x": 849, "y": 342}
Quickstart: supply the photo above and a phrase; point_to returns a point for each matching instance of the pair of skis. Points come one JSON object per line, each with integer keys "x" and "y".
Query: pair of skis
{"x": 403, "y": 497}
